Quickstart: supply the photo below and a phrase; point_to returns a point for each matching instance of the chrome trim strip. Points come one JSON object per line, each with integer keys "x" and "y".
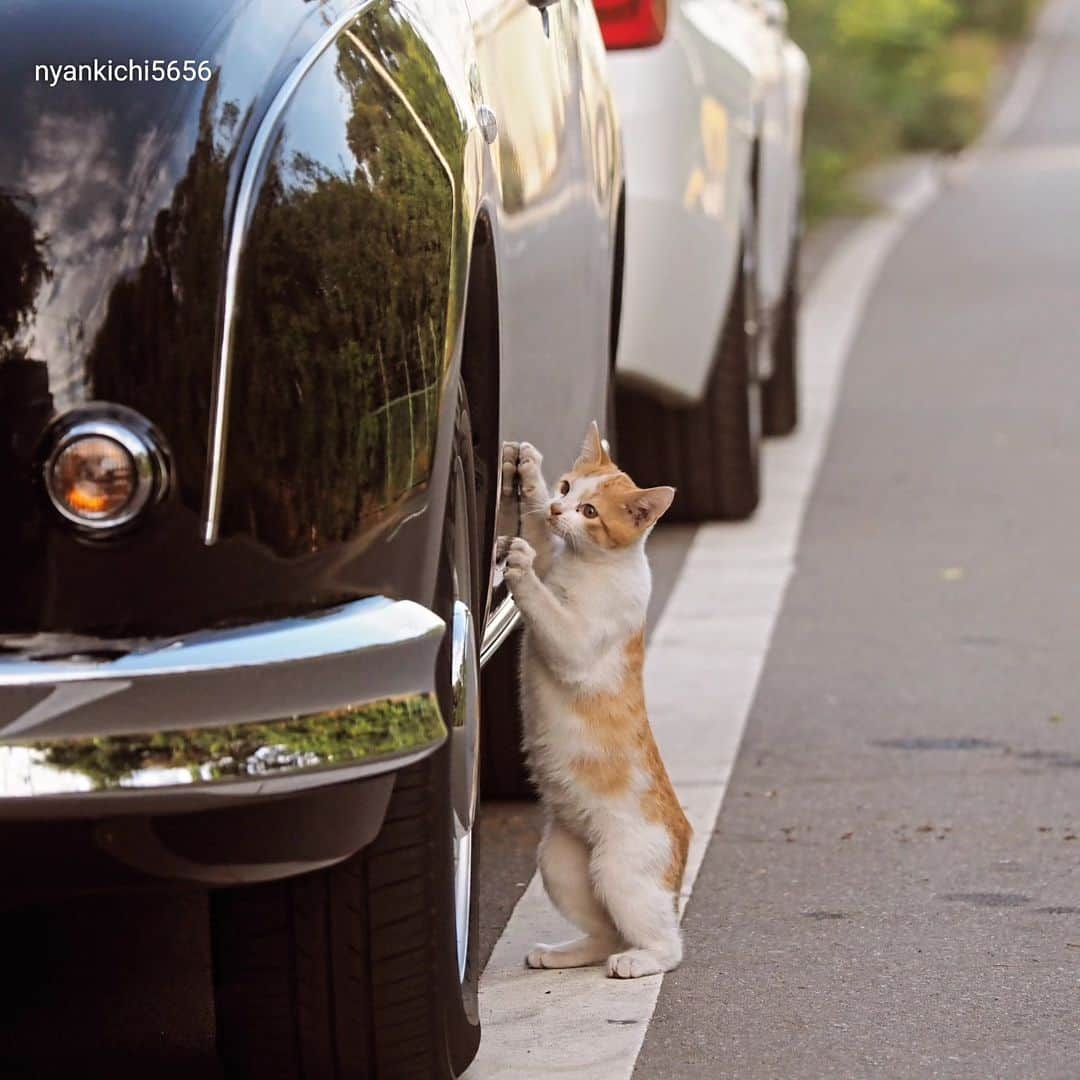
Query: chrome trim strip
{"x": 52, "y": 803}
{"x": 365, "y": 624}
{"x": 308, "y": 751}
{"x": 237, "y": 236}
{"x": 308, "y": 700}
{"x": 500, "y": 625}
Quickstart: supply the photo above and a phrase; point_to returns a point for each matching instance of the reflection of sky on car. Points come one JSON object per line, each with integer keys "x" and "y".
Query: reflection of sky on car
{"x": 99, "y": 160}
{"x": 308, "y": 135}
{"x": 86, "y": 212}
{"x": 316, "y": 123}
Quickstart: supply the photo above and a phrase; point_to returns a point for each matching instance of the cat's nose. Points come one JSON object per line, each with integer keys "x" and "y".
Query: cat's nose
{"x": 556, "y": 509}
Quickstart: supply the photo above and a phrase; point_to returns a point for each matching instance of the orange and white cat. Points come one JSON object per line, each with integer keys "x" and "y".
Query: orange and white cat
{"x": 615, "y": 841}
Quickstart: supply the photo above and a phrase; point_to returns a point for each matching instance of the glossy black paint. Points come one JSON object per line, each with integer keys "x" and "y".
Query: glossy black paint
{"x": 116, "y": 203}
{"x": 226, "y": 844}
{"x": 341, "y": 345}
{"x": 113, "y": 202}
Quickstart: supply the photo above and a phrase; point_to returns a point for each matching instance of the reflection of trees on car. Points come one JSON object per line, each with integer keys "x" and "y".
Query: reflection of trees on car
{"x": 23, "y": 270}
{"x": 337, "y": 737}
{"x": 25, "y": 408}
{"x": 342, "y": 321}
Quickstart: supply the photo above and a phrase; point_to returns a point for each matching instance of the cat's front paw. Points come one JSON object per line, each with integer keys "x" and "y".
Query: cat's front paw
{"x": 510, "y": 454}
{"x": 528, "y": 467}
{"x": 520, "y": 557}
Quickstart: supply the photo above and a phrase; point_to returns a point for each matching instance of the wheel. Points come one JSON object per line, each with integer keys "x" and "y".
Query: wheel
{"x": 503, "y": 774}
{"x": 710, "y": 452}
{"x": 780, "y": 395}
{"x": 369, "y": 968}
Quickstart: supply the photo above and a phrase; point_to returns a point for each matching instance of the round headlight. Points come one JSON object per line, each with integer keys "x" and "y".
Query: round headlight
{"x": 101, "y": 472}
{"x": 93, "y": 479}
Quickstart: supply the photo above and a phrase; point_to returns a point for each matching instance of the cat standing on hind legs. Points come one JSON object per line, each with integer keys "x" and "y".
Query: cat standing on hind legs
{"x": 615, "y": 841}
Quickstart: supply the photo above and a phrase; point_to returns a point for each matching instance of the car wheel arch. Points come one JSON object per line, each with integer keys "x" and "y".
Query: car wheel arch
{"x": 480, "y": 373}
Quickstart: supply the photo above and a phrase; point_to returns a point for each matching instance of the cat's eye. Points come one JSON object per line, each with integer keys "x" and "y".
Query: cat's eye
{"x": 564, "y": 487}
{"x": 589, "y": 510}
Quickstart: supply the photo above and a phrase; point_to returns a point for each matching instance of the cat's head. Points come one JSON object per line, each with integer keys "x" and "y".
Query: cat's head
{"x": 597, "y": 507}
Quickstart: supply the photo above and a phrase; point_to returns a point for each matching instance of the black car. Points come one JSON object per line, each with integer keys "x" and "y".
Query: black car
{"x": 277, "y": 278}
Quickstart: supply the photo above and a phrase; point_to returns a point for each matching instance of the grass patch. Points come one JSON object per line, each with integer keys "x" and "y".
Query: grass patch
{"x": 894, "y": 75}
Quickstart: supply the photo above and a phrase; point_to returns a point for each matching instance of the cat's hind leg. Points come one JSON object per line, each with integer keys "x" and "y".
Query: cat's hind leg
{"x": 643, "y": 909}
{"x": 564, "y": 868}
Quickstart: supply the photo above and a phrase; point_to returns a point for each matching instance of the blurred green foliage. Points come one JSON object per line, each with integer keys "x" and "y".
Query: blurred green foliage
{"x": 1005, "y": 18}
{"x": 892, "y": 75}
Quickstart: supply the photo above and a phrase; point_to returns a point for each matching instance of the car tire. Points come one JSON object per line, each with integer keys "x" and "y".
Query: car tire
{"x": 359, "y": 970}
{"x": 780, "y": 395}
{"x": 710, "y": 452}
{"x": 503, "y": 772}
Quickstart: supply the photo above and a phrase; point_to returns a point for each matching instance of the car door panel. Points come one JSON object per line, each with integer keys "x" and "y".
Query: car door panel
{"x": 546, "y": 225}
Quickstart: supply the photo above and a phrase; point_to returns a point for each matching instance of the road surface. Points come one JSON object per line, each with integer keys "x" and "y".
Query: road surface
{"x": 892, "y": 887}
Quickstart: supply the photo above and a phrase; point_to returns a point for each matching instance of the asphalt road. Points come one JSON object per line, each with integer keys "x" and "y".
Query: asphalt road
{"x": 893, "y": 887}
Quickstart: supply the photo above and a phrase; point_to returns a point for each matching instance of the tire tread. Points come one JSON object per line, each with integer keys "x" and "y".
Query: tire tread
{"x": 780, "y": 395}
{"x": 705, "y": 450}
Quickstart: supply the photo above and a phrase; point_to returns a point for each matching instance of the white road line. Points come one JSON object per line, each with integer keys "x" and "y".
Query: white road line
{"x": 1052, "y": 22}
{"x": 704, "y": 663}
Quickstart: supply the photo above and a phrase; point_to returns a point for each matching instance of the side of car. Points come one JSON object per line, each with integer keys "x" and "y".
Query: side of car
{"x": 711, "y": 97}
{"x": 308, "y": 299}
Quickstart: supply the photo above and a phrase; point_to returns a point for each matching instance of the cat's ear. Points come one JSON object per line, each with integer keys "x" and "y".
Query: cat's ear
{"x": 594, "y": 451}
{"x": 647, "y": 505}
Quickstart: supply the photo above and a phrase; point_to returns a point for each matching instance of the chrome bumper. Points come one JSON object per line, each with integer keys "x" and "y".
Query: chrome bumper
{"x": 218, "y": 716}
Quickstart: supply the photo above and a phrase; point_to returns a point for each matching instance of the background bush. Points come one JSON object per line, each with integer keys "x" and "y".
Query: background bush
{"x": 891, "y": 75}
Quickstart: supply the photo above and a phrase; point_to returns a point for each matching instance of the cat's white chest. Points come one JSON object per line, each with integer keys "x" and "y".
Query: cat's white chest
{"x": 556, "y": 742}
{"x": 609, "y": 610}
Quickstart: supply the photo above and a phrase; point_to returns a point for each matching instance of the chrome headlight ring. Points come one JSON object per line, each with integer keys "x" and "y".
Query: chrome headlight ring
{"x": 136, "y": 437}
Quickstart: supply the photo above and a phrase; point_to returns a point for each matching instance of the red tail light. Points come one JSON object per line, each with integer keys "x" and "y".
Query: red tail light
{"x": 632, "y": 24}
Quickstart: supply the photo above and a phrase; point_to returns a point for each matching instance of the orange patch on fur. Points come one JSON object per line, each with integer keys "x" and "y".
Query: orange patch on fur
{"x": 604, "y": 775}
{"x": 623, "y": 739}
{"x": 615, "y": 720}
{"x": 661, "y": 805}
{"x": 614, "y": 525}
{"x": 597, "y": 468}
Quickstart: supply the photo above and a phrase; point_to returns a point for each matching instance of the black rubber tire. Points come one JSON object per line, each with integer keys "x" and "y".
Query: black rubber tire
{"x": 780, "y": 394}
{"x": 710, "y": 452}
{"x": 503, "y": 774}
{"x": 352, "y": 971}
